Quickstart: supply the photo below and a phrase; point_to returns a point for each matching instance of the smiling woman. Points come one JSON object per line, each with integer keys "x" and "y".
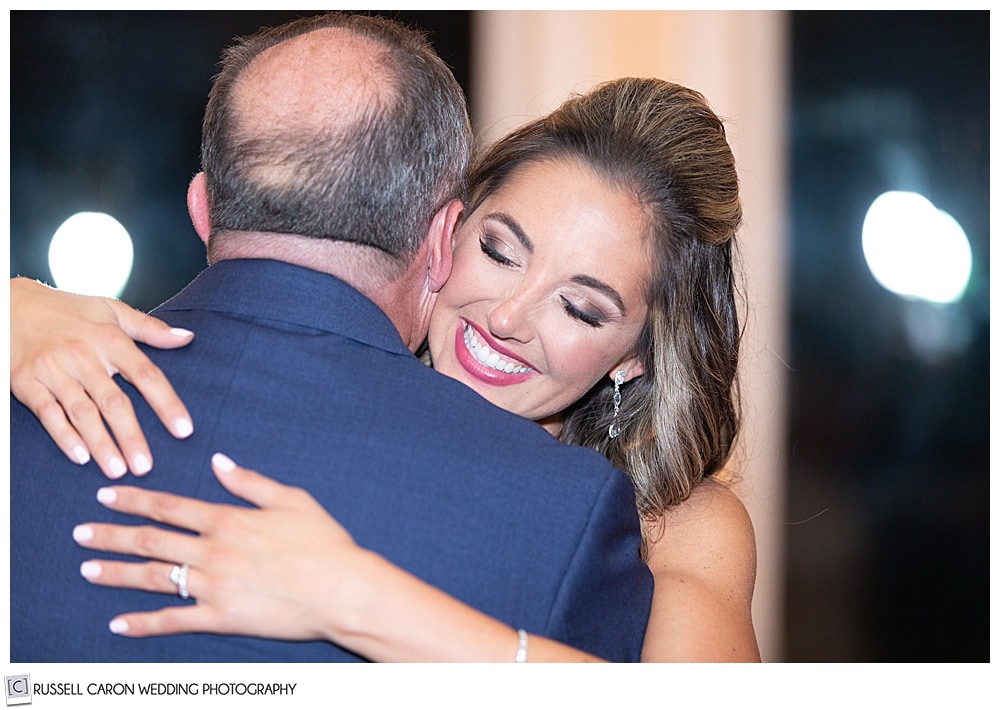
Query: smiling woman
{"x": 536, "y": 313}
{"x": 640, "y": 172}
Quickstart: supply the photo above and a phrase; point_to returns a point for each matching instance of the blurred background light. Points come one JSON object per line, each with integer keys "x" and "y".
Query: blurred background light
{"x": 91, "y": 253}
{"x": 916, "y": 250}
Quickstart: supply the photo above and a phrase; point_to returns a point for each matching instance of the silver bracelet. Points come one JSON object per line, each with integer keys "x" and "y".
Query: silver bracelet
{"x": 522, "y": 646}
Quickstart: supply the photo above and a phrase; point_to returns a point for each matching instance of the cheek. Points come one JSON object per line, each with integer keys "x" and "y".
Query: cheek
{"x": 578, "y": 360}
{"x": 452, "y": 296}
{"x": 464, "y": 287}
{"x": 466, "y": 281}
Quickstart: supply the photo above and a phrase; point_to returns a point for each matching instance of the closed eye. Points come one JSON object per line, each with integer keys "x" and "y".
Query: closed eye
{"x": 591, "y": 319}
{"x": 487, "y": 246}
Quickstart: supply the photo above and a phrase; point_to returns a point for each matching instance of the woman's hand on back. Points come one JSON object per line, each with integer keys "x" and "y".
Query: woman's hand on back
{"x": 274, "y": 571}
{"x": 64, "y": 352}
{"x": 285, "y": 569}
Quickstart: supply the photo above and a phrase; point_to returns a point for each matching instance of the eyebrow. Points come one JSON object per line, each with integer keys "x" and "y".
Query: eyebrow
{"x": 598, "y": 285}
{"x": 513, "y": 226}
{"x": 581, "y": 279}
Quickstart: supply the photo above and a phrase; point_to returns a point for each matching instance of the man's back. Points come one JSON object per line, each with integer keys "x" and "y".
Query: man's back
{"x": 296, "y": 375}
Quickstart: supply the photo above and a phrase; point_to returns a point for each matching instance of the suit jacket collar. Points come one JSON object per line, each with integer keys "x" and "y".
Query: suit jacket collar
{"x": 282, "y": 292}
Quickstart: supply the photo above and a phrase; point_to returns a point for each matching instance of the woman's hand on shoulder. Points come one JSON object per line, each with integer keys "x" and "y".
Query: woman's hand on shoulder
{"x": 64, "y": 351}
{"x": 704, "y": 561}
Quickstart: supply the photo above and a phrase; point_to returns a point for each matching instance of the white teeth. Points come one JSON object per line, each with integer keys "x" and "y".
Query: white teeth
{"x": 488, "y": 357}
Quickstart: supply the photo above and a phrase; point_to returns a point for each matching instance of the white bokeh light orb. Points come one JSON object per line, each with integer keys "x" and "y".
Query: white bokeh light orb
{"x": 91, "y": 253}
{"x": 916, "y": 250}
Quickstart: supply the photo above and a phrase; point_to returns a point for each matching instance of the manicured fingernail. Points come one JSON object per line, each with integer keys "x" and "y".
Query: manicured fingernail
{"x": 223, "y": 462}
{"x": 180, "y": 332}
{"x": 118, "y": 626}
{"x": 107, "y": 495}
{"x": 90, "y": 570}
{"x": 80, "y": 454}
{"x": 116, "y": 467}
{"x": 183, "y": 428}
{"x": 141, "y": 464}
{"x": 83, "y": 533}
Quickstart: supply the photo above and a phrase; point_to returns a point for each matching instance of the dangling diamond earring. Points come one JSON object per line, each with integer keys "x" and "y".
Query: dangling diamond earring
{"x": 616, "y": 428}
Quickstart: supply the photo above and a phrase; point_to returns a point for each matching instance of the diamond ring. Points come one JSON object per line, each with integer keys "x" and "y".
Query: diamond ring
{"x": 179, "y": 576}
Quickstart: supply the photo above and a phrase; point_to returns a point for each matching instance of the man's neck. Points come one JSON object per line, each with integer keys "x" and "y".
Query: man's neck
{"x": 373, "y": 274}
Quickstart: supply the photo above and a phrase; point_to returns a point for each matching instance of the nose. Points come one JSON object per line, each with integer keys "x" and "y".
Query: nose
{"x": 509, "y": 319}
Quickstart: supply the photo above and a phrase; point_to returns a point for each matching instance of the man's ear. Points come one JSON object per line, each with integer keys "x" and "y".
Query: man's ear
{"x": 632, "y": 366}
{"x": 197, "y": 200}
{"x": 440, "y": 244}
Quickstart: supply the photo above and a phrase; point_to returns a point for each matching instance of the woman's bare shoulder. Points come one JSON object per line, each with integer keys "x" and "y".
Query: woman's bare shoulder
{"x": 713, "y": 521}
{"x": 703, "y": 557}
{"x": 708, "y": 498}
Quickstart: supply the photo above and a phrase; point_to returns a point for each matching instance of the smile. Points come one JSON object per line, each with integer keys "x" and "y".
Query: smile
{"x": 488, "y": 357}
{"x": 484, "y": 363}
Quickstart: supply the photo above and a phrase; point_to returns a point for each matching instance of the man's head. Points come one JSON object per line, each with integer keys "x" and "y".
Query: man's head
{"x": 335, "y": 127}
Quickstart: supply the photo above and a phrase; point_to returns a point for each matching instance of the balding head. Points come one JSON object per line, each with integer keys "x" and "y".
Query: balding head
{"x": 316, "y": 80}
{"x": 336, "y": 127}
{"x": 328, "y": 82}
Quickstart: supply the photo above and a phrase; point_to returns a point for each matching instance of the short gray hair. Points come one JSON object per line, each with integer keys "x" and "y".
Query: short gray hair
{"x": 377, "y": 182}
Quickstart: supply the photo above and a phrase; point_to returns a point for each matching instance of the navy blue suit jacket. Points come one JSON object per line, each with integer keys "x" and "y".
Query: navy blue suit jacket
{"x": 297, "y": 375}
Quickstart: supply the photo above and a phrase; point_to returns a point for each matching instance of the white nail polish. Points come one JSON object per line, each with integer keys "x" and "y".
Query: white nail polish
{"x": 83, "y": 533}
{"x": 118, "y": 626}
{"x": 223, "y": 462}
{"x": 180, "y": 332}
{"x": 116, "y": 467}
{"x": 80, "y": 454}
{"x": 90, "y": 570}
{"x": 141, "y": 464}
{"x": 183, "y": 428}
{"x": 106, "y": 495}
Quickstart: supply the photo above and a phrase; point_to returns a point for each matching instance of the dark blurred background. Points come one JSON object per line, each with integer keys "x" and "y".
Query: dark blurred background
{"x": 888, "y": 444}
{"x": 888, "y": 458}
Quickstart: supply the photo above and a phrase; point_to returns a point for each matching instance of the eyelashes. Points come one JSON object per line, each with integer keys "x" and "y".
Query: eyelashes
{"x": 487, "y": 247}
{"x": 594, "y": 321}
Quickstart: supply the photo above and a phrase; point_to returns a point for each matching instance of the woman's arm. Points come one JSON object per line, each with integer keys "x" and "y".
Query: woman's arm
{"x": 64, "y": 351}
{"x": 287, "y": 570}
{"x": 704, "y": 564}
